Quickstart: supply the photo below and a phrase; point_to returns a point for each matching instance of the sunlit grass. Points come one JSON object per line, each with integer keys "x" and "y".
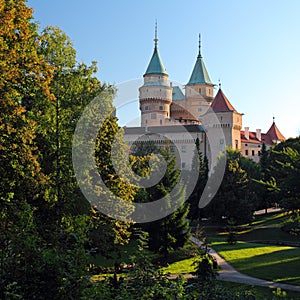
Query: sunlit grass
{"x": 276, "y": 263}
{"x": 184, "y": 266}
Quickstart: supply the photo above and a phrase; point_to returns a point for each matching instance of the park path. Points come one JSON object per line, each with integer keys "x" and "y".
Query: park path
{"x": 229, "y": 273}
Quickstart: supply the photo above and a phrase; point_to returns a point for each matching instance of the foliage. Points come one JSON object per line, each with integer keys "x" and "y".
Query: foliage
{"x": 199, "y": 169}
{"x": 231, "y": 237}
{"x": 283, "y": 173}
{"x": 233, "y": 199}
{"x": 171, "y": 232}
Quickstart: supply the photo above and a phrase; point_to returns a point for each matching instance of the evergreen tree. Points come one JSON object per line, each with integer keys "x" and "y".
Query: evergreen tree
{"x": 232, "y": 199}
{"x": 171, "y": 232}
{"x": 202, "y": 173}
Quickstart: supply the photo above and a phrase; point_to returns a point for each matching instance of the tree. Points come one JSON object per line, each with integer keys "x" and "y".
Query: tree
{"x": 265, "y": 198}
{"x": 171, "y": 232}
{"x": 202, "y": 173}
{"x": 232, "y": 200}
{"x": 23, "y": 73}
{"x": 284, "y": 174}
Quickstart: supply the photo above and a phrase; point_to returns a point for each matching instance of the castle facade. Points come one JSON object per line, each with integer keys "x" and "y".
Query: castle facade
{"x": 164, "y": 106}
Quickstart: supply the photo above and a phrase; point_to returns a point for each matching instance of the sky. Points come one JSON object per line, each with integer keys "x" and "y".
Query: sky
{"x": 251, "y": 47}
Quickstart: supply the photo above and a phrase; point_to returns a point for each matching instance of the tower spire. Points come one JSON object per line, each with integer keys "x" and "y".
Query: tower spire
{"x": 199, "y": 54}
{"x": 155, "y": 38}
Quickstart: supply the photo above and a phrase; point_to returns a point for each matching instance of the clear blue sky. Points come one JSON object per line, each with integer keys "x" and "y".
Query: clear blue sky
{"x": 252, "y": 46}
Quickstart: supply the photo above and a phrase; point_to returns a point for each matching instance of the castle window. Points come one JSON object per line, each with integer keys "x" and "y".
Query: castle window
{"x": 160, "y": 108}
{"x": 146, "y": 107}
{"x": 236, "y": 144}
{"x": 183, "y": 165}
{"x": 153, "y": 116}
{"x": 199, "y": 91}
{"x": 160, "y": 121}
{"x": 183, "y": 149}
{"x": 246, "y": 152}
{"x": 253, "y": 152}
{"x": 146, "y": 121}
{"x": 199, "y": 109}
{"x": 172, "y": 149}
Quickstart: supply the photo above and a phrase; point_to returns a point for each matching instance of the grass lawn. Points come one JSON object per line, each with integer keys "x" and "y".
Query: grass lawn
{"x": 184, "y": 266}
{"x": 259, "y": 291}
{"x": 271, "y": 219}
{"x": 276, "y": 263}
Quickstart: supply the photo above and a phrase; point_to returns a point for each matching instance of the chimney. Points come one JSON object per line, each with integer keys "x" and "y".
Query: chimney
{"x": 247, "y": 133}
{"x": 258, "y": 134}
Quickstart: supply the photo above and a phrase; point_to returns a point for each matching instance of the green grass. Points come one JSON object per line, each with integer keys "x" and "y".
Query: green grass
{"x": 259, "y": 291}
{"x": 126, "y": 252}
{"x": 276, "y": 263}
{"x": 271, "y": 219}
{"x": 184, "y": 266}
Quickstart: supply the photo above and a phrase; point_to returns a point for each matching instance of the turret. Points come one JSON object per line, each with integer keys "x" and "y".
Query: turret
{"x": 156, "y": 94}
{"x": 199, "y": 90}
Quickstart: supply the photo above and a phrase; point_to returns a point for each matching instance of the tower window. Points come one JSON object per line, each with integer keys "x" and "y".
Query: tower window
{"x": 183, "y": 165}
{"x": 199, "y": 109}
{"x": 160, "y": 121}
{"x": 253, "y": 153}
{"x": 246, "y": 152}
{"x": 146, "y": 107}
{"x": 160, "y": 108}
{"x": 183, "y": 149}
{"x": 153, "y": 116}
{"x": 236, "y": 144}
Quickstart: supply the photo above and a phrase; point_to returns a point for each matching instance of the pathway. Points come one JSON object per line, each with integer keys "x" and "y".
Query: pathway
{"x": 228, "y": 273}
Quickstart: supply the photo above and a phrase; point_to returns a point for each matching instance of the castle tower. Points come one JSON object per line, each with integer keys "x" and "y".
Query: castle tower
{"x": 229, "y": 120}
{"x": 156, "y": 94}
{"x": 199, "y": 91}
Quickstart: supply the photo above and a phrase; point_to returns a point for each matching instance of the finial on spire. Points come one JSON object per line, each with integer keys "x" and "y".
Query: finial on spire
{"x": 199, "y": 44}
{"x": 220, "y": 85}
{"x": 273, "y": 119}
{"x": 155, "y": 38}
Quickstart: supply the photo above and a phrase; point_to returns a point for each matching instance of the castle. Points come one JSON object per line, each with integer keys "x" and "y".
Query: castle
{"x": 164, "y": 106}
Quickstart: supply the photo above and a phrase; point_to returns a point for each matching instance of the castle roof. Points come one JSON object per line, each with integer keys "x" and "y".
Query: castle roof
{"x": 274, "y": 134}
{"x": 177, "y": 93}
{"x": 221, "y": 103}
{"x": 156, "y": 66}
{"x": 199, "y": 74}
{"x": 164, "y": 129}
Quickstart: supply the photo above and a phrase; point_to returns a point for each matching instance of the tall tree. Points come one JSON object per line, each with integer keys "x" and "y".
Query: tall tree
{"x": 284, "y": 174}
{"x": 200, "y": 169}
{"x": 23, "y": 73}
{"x": 232, "y": 200}
{"x": 173, "y": 231}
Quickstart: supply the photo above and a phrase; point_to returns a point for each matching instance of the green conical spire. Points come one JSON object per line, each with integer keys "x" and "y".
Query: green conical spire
{"x": 199, "y": 74}
{"x": 155, "y": 66}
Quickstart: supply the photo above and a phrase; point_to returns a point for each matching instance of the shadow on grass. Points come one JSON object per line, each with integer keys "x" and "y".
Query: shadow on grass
{"x": 281, "y": 264}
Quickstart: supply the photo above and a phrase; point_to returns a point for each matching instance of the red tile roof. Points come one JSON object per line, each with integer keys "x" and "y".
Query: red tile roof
{"x": 252, "y": 138}
{"x": 275, "y": 134}
{"x": 268, "y": 138}
{"x": 221, "y": 103}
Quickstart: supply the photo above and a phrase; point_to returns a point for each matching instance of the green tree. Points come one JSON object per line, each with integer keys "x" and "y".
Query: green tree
{"x": 173, "y": 231}
{"x": 200, "y": 168}
{"x": 232, "y": 200}
{"x": 285, "y": 171}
